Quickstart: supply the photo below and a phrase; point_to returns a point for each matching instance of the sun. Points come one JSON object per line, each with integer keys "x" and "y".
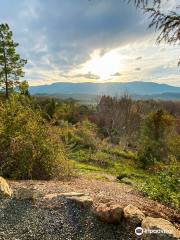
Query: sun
{"x": 104, "y": 66}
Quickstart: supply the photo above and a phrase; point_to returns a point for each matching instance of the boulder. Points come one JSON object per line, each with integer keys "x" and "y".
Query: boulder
{"x": 26, "y": 194}
{"x": 5, "y": 190}
{"x": 84, "y": 201}
{"x": 159, "y": 229}
{"x": 133, "y": 215}
{"x": 108, "y": 213}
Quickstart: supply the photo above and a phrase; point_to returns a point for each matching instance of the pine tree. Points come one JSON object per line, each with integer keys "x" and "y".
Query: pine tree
{"x": 11, "y": 63}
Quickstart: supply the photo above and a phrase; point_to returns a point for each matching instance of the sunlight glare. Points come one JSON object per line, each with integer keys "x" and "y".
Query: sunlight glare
{"x": 104, "y": 66}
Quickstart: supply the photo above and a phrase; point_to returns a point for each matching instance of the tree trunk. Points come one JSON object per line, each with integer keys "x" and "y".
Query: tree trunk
{"x": 6, "y": 83}
{"x": 5, "y": 72}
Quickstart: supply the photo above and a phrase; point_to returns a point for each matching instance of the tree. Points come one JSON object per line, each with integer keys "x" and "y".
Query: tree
{"x": 167, "y": 23}
{"x": 156, "y": 131}
{"x": 23, "y": 88}
{"x": 10, "y": 62}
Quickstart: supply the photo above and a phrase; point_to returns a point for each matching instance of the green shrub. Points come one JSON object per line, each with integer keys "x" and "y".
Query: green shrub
{"x": 80, "y": 135}
{"x": 164, "y": 187}
{"x": 29, "y": 148}
{"x": 117, "y": 150}
{"x": 81, "y": 155}
{"x": 156, "y": 130}
{"x": 88, "y": 156}
{"x": 101, "y": 159}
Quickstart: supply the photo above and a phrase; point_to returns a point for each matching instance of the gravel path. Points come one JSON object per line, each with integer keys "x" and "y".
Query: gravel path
{"x": 106, "y": 191}
{"x": 45, "y": 219}
{"x": 19, "y": 220}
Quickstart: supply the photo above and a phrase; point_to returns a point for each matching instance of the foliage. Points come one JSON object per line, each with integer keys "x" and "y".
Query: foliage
{"x": 164, "y": 187}
{"x": 117, "y": 150}
{"x": 80, "y": 135}
{"x": 167, "y": 23}
{"x": 23, "y": 88}
{"x": 118, "y": 119}
{"x": 10, "y": 62}
{"x": 29, "y": 148}
{"x": 156, "y": 129}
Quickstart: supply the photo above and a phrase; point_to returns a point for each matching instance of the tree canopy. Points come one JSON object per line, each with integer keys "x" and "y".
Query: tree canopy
{"x": 11, "y": 63}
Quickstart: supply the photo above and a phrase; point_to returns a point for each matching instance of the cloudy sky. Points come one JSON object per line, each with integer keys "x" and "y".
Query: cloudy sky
{"x": 89, "y": 41}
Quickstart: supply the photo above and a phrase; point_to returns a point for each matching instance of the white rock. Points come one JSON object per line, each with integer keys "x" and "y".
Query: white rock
{"x": 5, "y": 190}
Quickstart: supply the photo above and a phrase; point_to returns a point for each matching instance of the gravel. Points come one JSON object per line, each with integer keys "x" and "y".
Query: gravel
{"x": 21, "y": 220}
{"x": 59, "y": 218}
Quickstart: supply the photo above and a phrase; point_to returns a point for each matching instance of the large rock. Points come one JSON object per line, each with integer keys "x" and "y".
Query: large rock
{"x": 108, "y": 213}
{"x": 26, "y": 194}
{"x": 55, "y": 199}
{"x": 5, "y": 190}
{"x": 159, "y": 229}
{"x": 84, "y": 200}
{"x": 133, "y": 215}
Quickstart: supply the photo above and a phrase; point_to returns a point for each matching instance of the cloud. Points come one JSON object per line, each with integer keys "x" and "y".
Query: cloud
{"x": 58, "y": 37}
{"x": 138, "y": 58}
{"x": 87, "y": 75}
{"x": 117, "y": 74}
{"x": 138, "y": 69}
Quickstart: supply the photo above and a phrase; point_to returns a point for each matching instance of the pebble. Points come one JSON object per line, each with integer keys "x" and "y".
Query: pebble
{"x": 19, "y": 220}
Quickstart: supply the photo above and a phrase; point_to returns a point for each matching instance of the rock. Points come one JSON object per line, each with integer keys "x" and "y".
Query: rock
{"x": 66, "y": 194}
{"x": 51, "y": 196}
{"x": 108, "y": 214}
{"x": 27, "y": 194}
{"x": 72, "y": 194}
{"x": 84, "y": 201}
{"x": 133, "y": 215}
{"x": 159, "y": 229}
{"x": 5, "y": 190}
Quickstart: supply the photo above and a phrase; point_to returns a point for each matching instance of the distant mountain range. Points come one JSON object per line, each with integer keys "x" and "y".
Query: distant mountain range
{"x": 142, "y": 90}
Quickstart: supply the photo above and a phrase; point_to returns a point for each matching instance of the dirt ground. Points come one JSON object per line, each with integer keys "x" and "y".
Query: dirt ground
{"x": 104, "y": 191}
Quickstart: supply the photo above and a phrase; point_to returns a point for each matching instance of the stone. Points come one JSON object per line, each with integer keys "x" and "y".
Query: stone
{"x": 72, "y": 194}
{"x": 133, "y": 215}
{"x": 109, "y": 213}
{"x": 159, "y": 229}
{"x": 51, "y": 196}
{"x": 66, "y": 194}
{"x": 26, "y": 194}
{"x": 5, "y": 190}
{"x": 84, "y": 201}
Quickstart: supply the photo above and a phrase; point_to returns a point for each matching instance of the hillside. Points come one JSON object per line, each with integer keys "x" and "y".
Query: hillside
{"x": 113, "y": 89}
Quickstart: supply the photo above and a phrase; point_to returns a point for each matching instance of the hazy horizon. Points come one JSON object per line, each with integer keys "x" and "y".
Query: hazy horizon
{"x": 89, "y": 41}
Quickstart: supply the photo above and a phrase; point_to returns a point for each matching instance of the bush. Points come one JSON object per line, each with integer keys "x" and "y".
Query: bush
{"x": 164, "y": 187}
{"x": 156, "y": 130}
{"x": 117, "y": 151}
{"x": 80, "y": 135}
{"x": 101, "y": 159}
{"x": 29, "y": 148}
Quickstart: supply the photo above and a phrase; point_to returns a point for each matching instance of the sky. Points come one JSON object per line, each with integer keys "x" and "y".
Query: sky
{"x": 89, "y": 41}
